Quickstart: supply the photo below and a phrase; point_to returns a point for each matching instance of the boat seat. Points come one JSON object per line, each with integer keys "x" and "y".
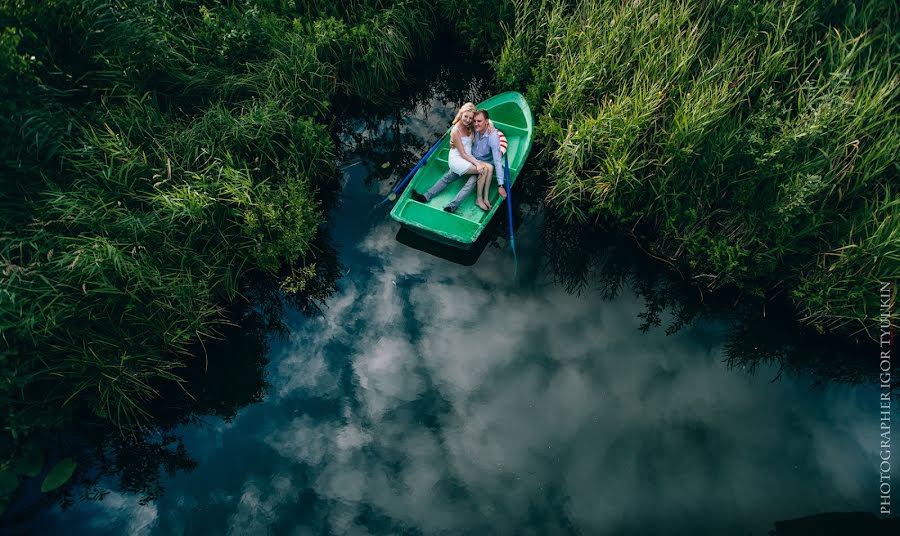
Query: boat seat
{"x": 510, "y": 131}
{"x": 513, "y": 147}
{"x": 441, "y": 154}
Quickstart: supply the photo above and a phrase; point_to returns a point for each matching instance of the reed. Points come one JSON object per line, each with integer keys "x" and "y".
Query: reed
{"x": 750, "y": 143}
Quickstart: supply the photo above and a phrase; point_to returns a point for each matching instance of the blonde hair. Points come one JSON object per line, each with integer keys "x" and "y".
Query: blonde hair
{"x": 467, "y": 107}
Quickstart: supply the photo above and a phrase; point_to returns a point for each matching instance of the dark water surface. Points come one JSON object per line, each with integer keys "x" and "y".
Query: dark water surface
{"x": 436, "y": 398}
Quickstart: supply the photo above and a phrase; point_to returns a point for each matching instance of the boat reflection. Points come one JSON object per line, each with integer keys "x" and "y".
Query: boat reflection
{"x": 464, "y": 257}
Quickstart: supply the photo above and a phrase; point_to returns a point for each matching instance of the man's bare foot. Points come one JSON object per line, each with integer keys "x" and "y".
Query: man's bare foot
{"x": 481, "y": 205}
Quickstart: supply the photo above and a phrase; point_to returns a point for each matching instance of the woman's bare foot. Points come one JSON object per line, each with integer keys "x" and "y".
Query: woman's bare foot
{"x": 487, "y": 204}
{"x": 481, "y": 205}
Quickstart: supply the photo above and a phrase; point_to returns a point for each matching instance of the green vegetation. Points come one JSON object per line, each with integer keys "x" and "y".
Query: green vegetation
{"x": 159, "y": 156}
{"x": 58, "y": 475}
{"x": 156, "y": 155}
{"x": 749, "y": 144}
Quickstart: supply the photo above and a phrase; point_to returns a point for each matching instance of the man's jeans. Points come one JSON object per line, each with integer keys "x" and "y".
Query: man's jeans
{"x": 447, "y": 179}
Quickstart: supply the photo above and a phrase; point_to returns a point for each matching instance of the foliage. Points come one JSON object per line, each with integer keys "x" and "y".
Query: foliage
{"x": 752, "y": 144}
{"x": 477, "y": 25}
{"x": 59, "y": 474}
{"x": 158, "y": 157}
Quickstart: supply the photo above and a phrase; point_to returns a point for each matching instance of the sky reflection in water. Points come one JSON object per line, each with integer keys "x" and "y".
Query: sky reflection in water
{"x": 436, "y": 398}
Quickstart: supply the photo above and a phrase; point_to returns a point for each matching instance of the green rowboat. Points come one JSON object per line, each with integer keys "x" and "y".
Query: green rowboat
{"x": 512, "y": 116}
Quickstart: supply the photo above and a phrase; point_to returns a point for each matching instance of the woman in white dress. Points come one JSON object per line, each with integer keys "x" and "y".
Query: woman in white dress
{"x": 460, "y": 158}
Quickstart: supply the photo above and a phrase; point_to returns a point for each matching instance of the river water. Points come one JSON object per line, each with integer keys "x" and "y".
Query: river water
{"x": 431, "y": 397}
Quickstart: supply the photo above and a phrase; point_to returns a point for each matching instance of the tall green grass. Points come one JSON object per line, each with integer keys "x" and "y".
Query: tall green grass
{"x": 157, "y": 157}
{"x": 752, "y": 144}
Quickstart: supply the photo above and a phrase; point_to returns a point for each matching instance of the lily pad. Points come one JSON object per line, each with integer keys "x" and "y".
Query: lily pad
{"x": 385, "y": 165}
{"x": 59, "y": 475}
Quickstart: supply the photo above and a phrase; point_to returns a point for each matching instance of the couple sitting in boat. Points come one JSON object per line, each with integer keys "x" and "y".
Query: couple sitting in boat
{"x": 474, "y": 143}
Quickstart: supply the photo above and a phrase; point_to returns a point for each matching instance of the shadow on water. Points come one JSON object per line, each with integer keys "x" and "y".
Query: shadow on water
{"x": 464, "y": 257}
{"x": 760, "y": 333}
{"x": 837, "y": 524}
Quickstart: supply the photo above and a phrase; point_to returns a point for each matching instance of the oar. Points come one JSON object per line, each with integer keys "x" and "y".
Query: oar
{"x": 512, "y": 237}
{"x": 393, "y": 195}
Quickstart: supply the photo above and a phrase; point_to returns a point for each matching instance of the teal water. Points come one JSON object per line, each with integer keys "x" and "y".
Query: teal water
{"x": 431, "y": 397}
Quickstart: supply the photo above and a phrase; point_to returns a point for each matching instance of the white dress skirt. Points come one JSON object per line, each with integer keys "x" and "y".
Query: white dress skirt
{"x": 458, "y": 164}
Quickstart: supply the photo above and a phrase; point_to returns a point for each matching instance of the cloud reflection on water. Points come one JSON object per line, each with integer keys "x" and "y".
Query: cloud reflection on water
{"x": 551, "y": 412}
